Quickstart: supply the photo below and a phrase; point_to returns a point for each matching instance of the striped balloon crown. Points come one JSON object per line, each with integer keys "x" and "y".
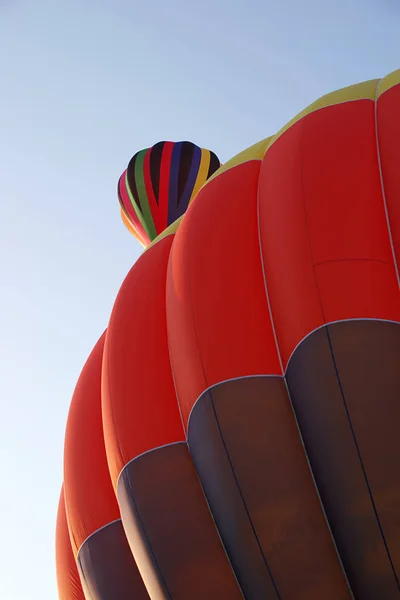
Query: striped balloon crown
{"x": 159, "y": 184}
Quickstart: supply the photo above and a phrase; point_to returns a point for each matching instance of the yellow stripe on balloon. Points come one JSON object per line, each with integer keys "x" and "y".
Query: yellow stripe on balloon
{"x": 359, "y": 91}
{"x": 388, "y": 82}
{"x": 255, "y": 152}
{"x": 202, "y": 172}
{"x": 366, "y": 90}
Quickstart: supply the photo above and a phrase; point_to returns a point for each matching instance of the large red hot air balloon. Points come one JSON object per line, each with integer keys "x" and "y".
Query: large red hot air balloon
{"x": 251, "y": 369}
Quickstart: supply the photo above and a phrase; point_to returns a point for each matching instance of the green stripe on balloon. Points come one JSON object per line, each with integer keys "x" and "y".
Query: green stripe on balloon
{"x": 142, "y": 193}
{"x": 135, "y": 206}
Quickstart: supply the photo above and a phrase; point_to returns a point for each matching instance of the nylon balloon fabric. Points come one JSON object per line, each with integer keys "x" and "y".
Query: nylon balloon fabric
{"x": 237, "y": 425}
{"x": 159, "y": 184}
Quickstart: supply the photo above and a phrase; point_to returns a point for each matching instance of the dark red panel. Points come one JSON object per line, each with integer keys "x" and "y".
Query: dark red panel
{"x": 171, "y": 530}
{"x": 253, "y": 469}
{"x": 344, "y": 383}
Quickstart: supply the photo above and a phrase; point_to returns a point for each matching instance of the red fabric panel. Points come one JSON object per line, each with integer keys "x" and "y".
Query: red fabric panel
{"x": 140, "y": 410}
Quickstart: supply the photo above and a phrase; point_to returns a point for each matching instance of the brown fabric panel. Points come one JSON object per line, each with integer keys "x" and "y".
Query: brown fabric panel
{"x": 345, "y": 387}
{"x": 170, "y": 528}
{"x": 248, "y": 452}
{"x": 224, "y": 497}
{"x": 367, "y": 356}
{"x": 108, "y": 570}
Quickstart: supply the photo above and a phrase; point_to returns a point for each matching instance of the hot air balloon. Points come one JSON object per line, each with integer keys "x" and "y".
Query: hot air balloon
{"x": 250, "y": 372}
{"x": 159, "y": 184}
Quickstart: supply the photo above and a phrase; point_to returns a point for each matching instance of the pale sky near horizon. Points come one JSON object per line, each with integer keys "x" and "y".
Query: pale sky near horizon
{"x": 84, "y": 85}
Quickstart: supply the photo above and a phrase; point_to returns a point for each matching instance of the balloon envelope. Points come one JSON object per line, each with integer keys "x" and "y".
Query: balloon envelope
{"x": 250, "y": 380}
{"x": 159, "y": 184}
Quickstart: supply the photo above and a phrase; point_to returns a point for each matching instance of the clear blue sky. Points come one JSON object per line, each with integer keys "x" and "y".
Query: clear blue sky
{"x": 84, "y": 85}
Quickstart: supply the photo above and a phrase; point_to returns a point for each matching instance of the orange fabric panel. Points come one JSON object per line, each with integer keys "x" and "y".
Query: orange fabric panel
{"x": 140, "y": 410}
{"x": 68, "y": 581}
{"x": 388, "y": 126}
{"x": 89, "y": 495}
{"x": 324, "y": 235}
{"x": 218, "y": 317}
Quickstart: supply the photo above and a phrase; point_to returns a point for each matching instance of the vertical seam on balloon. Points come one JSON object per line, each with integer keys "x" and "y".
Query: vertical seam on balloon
{"x": 375, "y": 510}
{"x": 286, "y": 383}
{"x": 214, "y": 521}
{"x": 396, "y": 267}
{"x": 193, "y": 312}
{"x": 150, "y": 547}
{"x": 265, "y": 275}
{"x": 242, "y": 496}
{"x": 169, "y": 266}
{"x": 317, "y": 490}
{"x": 186, "y": 442}
{"x": 333, "y": 356}
{"x": 186, "y": 428}
{"x": 324, "y": 321}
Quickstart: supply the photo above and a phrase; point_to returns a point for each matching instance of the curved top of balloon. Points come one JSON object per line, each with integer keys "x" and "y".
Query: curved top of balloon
{"x": 159, "y": 184}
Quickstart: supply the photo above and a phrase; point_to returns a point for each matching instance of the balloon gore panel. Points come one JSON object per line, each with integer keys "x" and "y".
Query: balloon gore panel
{"x": 246, "y": 447}
{"x": 170, "y": 529}
{"x": 106, "y": 566}
{"x": 344, "y": 381}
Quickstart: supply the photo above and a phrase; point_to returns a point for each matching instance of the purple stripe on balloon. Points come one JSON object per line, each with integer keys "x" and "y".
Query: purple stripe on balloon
{"x": 173, "y": 209}
{"x": 191, "y": 181}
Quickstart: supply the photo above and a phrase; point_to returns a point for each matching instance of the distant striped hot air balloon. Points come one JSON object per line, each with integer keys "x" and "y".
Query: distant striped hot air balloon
{"x": 159, "y": 184}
